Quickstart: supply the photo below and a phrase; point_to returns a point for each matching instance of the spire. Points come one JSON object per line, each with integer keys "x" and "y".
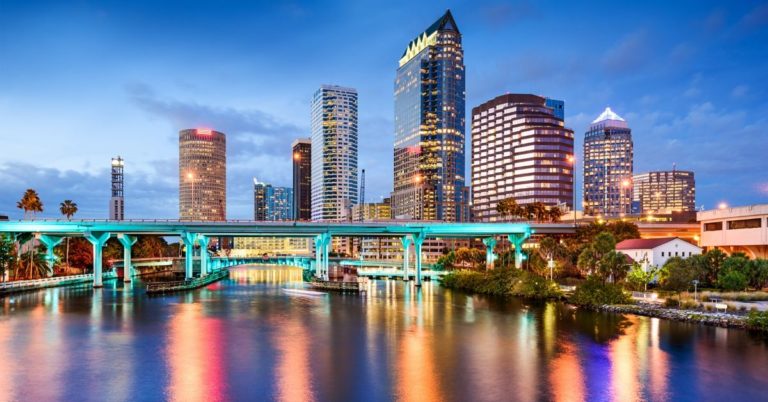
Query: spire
{"x": 607, "y": 114}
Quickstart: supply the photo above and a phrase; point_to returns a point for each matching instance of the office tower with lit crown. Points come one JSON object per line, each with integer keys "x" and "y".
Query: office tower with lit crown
{"x": 334, "y": 152}
{"x": 429, "y": 182}
{"x": 302, "y": 179}
{"x": 117, "y": 201}
{"x": 202, "y": 175}
{"x": 520, "y": 150}
{"x": 664, "y": 192}
{"x": 608, "y": 164}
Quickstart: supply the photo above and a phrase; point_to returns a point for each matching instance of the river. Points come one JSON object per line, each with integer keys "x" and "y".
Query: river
{"x": 246, "y": 338}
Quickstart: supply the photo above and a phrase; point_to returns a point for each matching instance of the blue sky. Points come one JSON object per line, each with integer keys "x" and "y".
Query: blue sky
{"x": 85, "y": 81}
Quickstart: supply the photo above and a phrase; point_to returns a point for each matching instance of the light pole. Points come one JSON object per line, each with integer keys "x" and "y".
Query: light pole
{"x": 572, "y": 161}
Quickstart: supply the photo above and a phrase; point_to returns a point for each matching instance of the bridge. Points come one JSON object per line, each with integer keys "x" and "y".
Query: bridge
{"x": 51, "y": 233}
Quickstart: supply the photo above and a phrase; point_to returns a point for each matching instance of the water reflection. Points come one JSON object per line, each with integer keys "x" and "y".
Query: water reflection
{"x": 244, "y": 338}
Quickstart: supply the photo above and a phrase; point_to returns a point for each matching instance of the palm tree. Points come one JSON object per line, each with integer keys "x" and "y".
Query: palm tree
{"x": 30, "y": 202}
{"x": 68, "y": 209}
{"x": 553, "y": 214}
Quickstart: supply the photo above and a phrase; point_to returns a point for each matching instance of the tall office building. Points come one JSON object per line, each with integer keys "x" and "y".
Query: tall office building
{"x": 272, "y": 203}
{"x": 302, "y": 179}
{"x": 202, "y": 175}
{"x": 664, "y": 192}
{"x": 429, "y": 180}
{"x": 334, "y": 152}
{"x": 117, "y": 201}
{"x": 608, "y": 164}
{"x": 520, "y": 150}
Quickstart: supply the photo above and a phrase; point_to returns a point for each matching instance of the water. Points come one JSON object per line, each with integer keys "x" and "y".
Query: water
{"x": 247, "y": 339}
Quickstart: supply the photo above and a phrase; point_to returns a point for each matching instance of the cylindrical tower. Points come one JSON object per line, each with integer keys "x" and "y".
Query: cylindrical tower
{"x": 202, "y": 175}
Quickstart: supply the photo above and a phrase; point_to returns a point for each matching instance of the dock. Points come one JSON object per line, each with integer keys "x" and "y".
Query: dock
{"x": 156, "y": 288}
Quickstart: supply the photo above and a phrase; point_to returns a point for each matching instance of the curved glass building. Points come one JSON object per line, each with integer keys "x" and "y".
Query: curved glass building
{"x": 202, "y": 175}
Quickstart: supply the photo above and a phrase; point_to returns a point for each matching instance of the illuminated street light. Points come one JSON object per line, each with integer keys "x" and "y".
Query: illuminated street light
{"x": 722, "y": 205}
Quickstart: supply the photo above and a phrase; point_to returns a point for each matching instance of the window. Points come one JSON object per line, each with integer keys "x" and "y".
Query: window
{"x": 712, "y": 226}
{"x": 662, "y": 254}
{"x": 745, "y": 224}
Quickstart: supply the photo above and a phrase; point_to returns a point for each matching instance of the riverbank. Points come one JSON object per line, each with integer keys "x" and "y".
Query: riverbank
{"x": 7, "y": 288}
{"x": 724, "y": 320}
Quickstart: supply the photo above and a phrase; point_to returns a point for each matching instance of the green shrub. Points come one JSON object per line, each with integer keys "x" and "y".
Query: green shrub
{"x": 502, "y": 282}
{"x": 758, "y": 320}
{"x": 671, "y": 302}
{"x": 732, "y": 280}
{"x": 593, "y": 292}
{"x": 534, "y": 286}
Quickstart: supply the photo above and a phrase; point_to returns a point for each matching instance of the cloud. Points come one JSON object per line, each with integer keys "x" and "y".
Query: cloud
{"x": 148, "y": 194}
{"x": 755, "y": 18}
{"x": 629, "y": 54}
{"x": 739, "y": 91}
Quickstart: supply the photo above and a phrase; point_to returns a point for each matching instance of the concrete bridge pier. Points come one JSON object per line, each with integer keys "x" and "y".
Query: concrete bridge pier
{"x": 418, "y": 240}
{"x": 517, "y": 240}
{"x": 98, "y": 240}
{"x": 50, "y": 243}
{"x": 490, "y": 244}
{"x": 318, "y": 256}
{"x": 127, "y": 241}
{"x": 203, "y": 241}
{"x": 189, "y": 254}
{"x": 406, "y": 240}
{"x": 326, "y": 251}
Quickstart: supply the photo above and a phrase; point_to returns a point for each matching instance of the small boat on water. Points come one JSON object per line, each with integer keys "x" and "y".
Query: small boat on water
{"x": 303, "y": 292}
{"x": 358, "y": 286}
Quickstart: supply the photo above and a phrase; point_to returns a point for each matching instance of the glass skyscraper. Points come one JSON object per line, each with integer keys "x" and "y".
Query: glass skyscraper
{"x": 302, "y": 179}
{"x": 608, "y": 164}
{"x": 334, "y": 152}
{"x": 202, "y": 175}
{"x": 664, "y": 192}
{"x": 272, "y": 203}
{"x": 429, "y": 180}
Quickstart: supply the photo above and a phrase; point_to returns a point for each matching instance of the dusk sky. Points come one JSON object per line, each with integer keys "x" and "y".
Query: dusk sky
{"x": 86, "y": 81}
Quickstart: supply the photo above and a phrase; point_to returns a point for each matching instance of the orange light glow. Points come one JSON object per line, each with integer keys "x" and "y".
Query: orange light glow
{"x": 296, "y": 156}
{"x": 625, "y": 183}
{"x": 722, "y": 205}
{"x": 204, "y": 131}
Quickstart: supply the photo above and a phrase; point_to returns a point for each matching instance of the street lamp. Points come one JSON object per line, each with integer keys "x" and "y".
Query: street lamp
{"x": 572, "y": 160}
{"x": 722, "y": 205}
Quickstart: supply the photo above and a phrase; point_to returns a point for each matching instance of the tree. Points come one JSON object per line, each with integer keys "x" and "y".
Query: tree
{"x": 758, "y": 273}
{"x": 677, "y": 274}
{"x": 591, "y": 258}
{"x": 732, "y": 280}
{"x": 7, "y": 254}
{"x": 554, "y": 214}
{"x": 472, "y": 256}
{"x": 68, "y": 209}
{"x": 150, "y": 247}
{"x": 30, "y": 203}
{"x": 715, "y": 259}
{"x": 614, "y": 266}
{"x": 639, "y": 278}
{"x": 509, "y": 208}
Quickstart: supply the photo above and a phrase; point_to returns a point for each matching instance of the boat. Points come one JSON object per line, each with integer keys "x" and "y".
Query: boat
{"x": 358, "y": 286}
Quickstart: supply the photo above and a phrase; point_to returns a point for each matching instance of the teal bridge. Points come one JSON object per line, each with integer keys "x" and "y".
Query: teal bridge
{"x": 51, "y": 233}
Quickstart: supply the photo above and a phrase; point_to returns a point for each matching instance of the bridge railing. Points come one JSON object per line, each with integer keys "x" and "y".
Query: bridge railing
{"x": 51, "y": 281}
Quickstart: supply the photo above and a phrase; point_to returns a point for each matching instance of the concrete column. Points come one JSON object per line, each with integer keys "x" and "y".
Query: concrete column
{"x": 326, "y": 251}
{"x": 204, "y": 259}
{"x": 406, "y": 241}
{"x": 127, "y": 242}
{"x": 318, "y": 256}
{"x": 490, "y": 243}
{"x": 517, "y": 240}
{"x": 50, "y": 243}
{"x": 189, "y": 255}
{"x": 98, "y": 240}
{"x": 418, "y": 240}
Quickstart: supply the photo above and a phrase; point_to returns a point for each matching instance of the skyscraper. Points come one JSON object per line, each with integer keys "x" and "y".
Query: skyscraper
{"x": 302, "y": 179}
{"x": 608, "y": 164}
{"x": 202, "y": 175}
{"x": 520, "y": 150}
{"x": 272, "y": 203}
{"x": 429, "y": 178}
{"x": 117, "y": 201}
{"x": 664, "y": 192}
{"x": 334, "y": 152}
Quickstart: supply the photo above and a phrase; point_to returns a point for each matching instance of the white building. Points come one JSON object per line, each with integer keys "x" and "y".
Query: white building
{"x": 739, "y": 229}
{"x": 656, "y": 252}
{"x": 334, "y": 152}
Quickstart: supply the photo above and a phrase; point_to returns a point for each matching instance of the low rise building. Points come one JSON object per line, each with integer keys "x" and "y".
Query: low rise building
{"x": 656, "y": 252}
{"x": 737, "y": 229}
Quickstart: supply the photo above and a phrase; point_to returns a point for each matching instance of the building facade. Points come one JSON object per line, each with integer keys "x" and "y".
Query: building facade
{"x": 429, "y": 182}
{"x": 334, "y": 152}
{"x": 372, "y": 211}
{"x": 202, "y": 175}
{"x": 664, "y": 192}
{"x": 520, "y": 150}
{"x": 608, "y": 166}
{"x": 736, "y": 229}
{"x": 117, "y": 201}
{"x": 656, "y": 252}
{"x": 272, "y": 203}
{"x": 302, "y": 179}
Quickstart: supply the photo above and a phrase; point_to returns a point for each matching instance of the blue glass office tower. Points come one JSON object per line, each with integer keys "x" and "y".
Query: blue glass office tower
{"x": 429, "y": 182}
{"x": 272, "y": 203}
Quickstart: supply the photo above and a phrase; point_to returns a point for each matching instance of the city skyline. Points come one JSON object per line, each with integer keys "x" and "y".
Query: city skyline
{"x": 679, "y": 111}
